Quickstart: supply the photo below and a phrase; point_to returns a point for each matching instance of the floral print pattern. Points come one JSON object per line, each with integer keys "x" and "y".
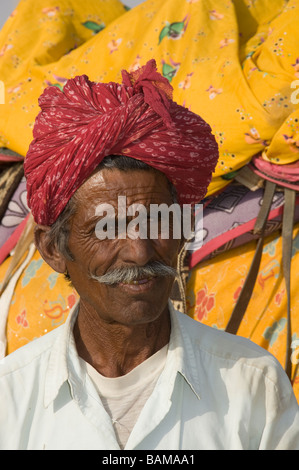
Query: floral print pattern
{"x": 205, "y": 302}
{"x": 214, "y": 285}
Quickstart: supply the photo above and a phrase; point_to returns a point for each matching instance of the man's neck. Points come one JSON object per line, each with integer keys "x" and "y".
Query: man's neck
{"x": 115, "y": 349}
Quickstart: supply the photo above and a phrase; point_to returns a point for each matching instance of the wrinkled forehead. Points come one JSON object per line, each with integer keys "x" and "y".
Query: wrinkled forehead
{"x": 106, "y": 185}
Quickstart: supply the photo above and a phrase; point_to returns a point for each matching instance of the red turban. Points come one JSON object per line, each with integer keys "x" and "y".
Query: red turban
{"x": 79, "y": 126}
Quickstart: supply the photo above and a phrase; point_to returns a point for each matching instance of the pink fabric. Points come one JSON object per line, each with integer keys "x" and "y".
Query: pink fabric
{"x": 10, "y": 158}
{"x": 78, "y": 127}
{"x": 214, "y": 244}
{"x": 286, "y": 175}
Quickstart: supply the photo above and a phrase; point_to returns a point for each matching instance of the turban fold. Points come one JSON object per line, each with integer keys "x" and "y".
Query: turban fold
{"x": 77, "y": 127}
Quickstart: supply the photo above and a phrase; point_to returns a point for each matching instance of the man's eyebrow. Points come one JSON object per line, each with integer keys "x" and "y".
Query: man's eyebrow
{"x": 93, "y": 219}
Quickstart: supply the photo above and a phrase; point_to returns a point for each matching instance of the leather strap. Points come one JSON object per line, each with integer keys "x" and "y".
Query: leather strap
{"x": 259, "y": 228}
{"x": 287, "y": 243}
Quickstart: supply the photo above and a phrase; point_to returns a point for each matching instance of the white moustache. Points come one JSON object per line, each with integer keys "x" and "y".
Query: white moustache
{"x": 134, "y": 273}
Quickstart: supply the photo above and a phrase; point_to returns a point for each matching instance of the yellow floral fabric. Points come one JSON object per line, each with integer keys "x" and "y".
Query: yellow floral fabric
{"x": 214, "y": 286}
{"x": 41, "y": 301}
{"x": 233, "y": 63}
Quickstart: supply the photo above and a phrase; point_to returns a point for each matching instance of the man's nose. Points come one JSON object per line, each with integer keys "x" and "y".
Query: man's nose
{"x": 137, "y": 251}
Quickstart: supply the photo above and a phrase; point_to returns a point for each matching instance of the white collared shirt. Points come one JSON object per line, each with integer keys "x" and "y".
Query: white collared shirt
{"x": 217, "y": 391}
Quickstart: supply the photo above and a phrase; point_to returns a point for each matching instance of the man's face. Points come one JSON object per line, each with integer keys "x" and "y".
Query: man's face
{"x": 125, "y": 303}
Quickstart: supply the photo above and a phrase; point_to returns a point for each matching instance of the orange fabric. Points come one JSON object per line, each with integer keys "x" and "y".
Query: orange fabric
{"x": 214, "y": 287}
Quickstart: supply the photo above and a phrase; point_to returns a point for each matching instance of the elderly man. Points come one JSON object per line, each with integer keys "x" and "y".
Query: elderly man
{"x": 126, "y": 371}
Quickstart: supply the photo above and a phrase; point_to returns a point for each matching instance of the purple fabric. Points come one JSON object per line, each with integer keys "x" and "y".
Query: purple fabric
{"x": 233, "y": 207}
{"x": 15, "y": 213}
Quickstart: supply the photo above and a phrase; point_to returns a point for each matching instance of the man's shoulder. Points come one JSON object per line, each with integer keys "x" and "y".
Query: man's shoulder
{"x": 215, "y": 339}
{"x": 228, "y": 349}
{"x": 28, "y": 354}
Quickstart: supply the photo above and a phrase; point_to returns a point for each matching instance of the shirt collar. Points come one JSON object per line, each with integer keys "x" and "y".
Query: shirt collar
{"x": 62, "y": 353}
{"x": 64, "y": 357}
{"x": 181, "y": 347}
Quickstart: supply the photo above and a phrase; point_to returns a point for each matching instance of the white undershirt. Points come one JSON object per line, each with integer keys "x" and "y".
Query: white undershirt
{"x": 124, "y": 397}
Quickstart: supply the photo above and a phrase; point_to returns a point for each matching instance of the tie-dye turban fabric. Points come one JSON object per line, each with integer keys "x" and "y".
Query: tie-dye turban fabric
{"x": 79, "y": 126}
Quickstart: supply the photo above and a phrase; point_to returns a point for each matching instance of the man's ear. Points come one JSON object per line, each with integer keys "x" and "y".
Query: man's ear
{"x": 48, "y": 250}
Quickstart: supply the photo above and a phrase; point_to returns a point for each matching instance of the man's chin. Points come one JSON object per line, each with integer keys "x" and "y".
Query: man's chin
{"x": 143, "y": 302}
